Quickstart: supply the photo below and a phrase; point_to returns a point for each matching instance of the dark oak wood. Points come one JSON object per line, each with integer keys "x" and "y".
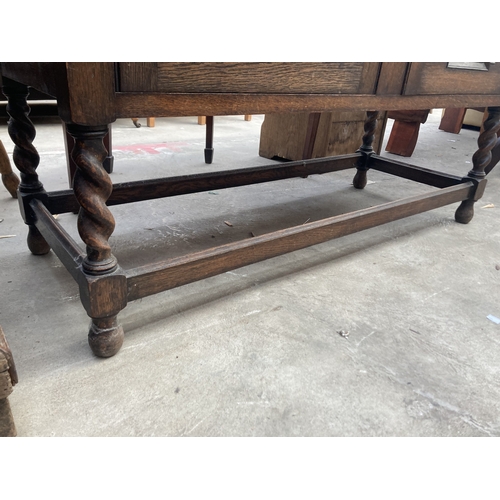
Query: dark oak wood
{"x": 438, "y": 78}
{"x": 151, "y": 279}
{"x": 209, "y": 139}
{"x": 392, "y": 79}
{"x": 414, "y": 173}
{"x": 26, "y": 158}
{"x": 59, "y": 202}
{"x": 92, "y": 187}
{"x": 366, "y": 150}
{"x": 282, "y": 78}
{"x": 91, "y": 96}
{"x": 130, "y": 104}
{"x": 69, "y": 144}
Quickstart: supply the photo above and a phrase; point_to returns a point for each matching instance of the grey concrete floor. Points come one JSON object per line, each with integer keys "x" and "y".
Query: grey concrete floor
{"x": 256, "y": 351}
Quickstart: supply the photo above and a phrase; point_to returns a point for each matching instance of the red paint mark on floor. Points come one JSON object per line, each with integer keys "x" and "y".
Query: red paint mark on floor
{"x": 152, "y": 149}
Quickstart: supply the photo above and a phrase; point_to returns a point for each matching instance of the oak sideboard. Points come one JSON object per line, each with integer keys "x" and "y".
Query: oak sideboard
{"x": 91, "y": 96}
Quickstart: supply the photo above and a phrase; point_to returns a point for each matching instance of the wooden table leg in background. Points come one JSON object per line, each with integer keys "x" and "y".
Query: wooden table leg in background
{"x": 9, "y": 178}
{"x": 404, "y": 133}
{"x": 209, "y": 143}
{"x": 452, "y": 120}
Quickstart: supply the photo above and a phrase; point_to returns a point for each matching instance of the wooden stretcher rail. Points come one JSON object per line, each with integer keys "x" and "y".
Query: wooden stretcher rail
{"x": 68, "y": 251}
{"x": 414, "y": 173}
{"x": 154, "y": 278}
{"x": 128, "y": 192}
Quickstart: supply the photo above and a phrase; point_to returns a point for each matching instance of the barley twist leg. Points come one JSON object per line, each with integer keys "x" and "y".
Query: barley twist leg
{"x": 480, "y": 160}
{"x": 92, "y": 187}
{"x": 26, "y": 158}
{"x": 366, "y": 149}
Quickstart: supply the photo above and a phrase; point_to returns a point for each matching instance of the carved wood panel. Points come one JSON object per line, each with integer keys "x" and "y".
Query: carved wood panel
{"x": 272, "y": 78}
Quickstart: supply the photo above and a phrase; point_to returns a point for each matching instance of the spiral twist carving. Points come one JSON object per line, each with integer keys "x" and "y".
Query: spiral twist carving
{"x": 22, "y": 132}
{"x": 92, "y": 187}
{"x": 369, "y": 131}
{"x": 363, "y": 163}
{"x": 486, "y": 143}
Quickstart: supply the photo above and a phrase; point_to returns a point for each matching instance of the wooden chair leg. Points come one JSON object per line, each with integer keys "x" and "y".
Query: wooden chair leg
{"x": 150, "y": 121}
{"x": 403, "y": 138}
{"x": 404, "y": 133}
{"x": 452, "y": 120}
{"x": 209, "y": 147}
{"x": 9, "y": 178}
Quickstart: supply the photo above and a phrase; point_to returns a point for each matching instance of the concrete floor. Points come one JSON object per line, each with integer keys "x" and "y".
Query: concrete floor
{"x": 256, "y": 351}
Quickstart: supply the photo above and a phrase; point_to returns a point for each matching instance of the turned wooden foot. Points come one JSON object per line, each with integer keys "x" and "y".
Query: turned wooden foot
{"x": 360, "y": 179}
{"x": 105, "y": 336}
{"x": 465, "y": 212}
{"x": 36, "y": 242}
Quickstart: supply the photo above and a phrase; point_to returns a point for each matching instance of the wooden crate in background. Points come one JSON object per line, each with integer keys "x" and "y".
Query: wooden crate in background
{"x": 300, "y": 136}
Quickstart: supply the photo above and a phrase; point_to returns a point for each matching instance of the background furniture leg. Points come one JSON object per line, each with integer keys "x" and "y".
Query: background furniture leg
{"x": 404, "y": 133}
{"x": 452, "y": 120}
{"x": 362, "y": 166}
{"x": 9, "y": 178}
{"x": 209, "y": 147}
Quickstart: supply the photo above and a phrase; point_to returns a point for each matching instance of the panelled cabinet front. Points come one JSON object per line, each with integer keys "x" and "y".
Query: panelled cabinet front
{"x": 453, "y": 78}
{"x": 265, "y": 78}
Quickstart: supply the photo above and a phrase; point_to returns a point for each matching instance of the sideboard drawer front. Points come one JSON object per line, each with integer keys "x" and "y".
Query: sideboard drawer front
{"x": 453, "y": 79}
{"x": 262, "y": 78}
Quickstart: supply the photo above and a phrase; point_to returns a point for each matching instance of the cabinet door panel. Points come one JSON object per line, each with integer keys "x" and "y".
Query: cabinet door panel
{"x": 264, "y": 78}
{"x": 453, "y": 78}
